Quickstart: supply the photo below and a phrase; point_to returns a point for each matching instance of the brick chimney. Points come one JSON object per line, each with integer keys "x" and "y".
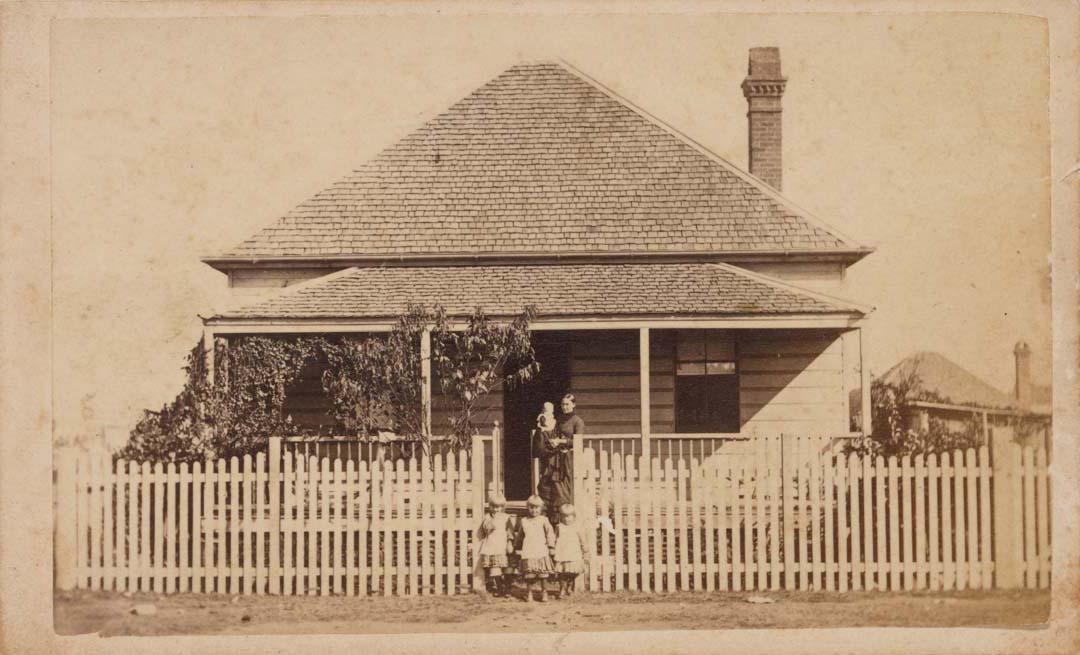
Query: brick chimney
{"x": 1023, "y": 373}
{"x": 763, "y": 88}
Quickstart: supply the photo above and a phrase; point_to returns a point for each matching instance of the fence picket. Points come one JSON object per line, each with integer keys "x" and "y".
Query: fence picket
{"x": 829, "y": 505}
{"x": 364, "y": 486}
{"x": 617, "y": 502}
{"x": 985, "y": 559}
{"x": 184, "y": 583}
{"x": 1030, "y": 557}
{"x": 933, "y": 476}
{"x": 244, "y": 518}
{"x": 132, "y": 584}
{"x": 881, "y": 522}
{"x": 773, "y": 463}
{"x": 656, "y": 523}
{"x": 198, "y": 500}
{"x": 451, "y": 522}
{"x": 815, "y": 535}
{"x": 906, "y": 527}
{"x": 720, "y": 489}
{"x": 971, "y": 470}
{"x": 339, "y": 569}
{"x": 634, "y": 534}
{"x": 388, "y": 528}
{"x": 921, "y": 568}
{"x": 948, "y": 574}
{"x": 843, "y": 567}
{"x": 892, "y": 500}
{"x": 668, "y": 496}
{"x": 854, "y": 469}
{"x": 310, "y": 525}
{"x": 959, "y": 529}
{"x": 749, "y": 480}
{"x": 258, "y": 522}
{"x": 869, "y": 559}
{"x": 288, "y": 524}
{"x": 788, "y": 496}
{"x": 1043, "y": 517}
{"x": 108, "y": 562}
{"x": 464, "y": 484}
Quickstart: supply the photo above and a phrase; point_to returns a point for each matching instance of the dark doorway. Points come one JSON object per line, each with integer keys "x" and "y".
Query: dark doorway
{"x": 523, "y": 403}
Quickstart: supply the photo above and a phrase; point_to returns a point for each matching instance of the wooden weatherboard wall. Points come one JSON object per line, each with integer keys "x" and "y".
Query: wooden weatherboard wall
{"x": 789, "y": 381}
{"x": 604, "y": 377}
{"x": 792, "y": 381}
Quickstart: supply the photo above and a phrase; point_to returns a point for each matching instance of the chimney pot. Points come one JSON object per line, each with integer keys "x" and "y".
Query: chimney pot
{"x": 763, "y": 88}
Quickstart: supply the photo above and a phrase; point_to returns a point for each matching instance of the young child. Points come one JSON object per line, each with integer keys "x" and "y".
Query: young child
{"x": 496, "y": 534}
{"x": 571, "y": 551}
{"x": 545, "y": 422}
{"x": 535, "y": 541}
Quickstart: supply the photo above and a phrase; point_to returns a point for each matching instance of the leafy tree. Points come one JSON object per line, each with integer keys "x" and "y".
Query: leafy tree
{"x": 478, "y": 360}
{"x": 891, "y": 411}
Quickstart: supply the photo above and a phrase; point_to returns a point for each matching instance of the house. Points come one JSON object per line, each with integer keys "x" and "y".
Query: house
{"x": 949, "y": 393}
{"x": 681, "y": 298}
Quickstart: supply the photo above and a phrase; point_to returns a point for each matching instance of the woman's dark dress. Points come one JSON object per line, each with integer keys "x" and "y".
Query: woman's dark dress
{"x": 556, "y": 485}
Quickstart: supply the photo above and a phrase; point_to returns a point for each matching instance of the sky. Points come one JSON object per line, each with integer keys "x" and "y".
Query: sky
{"x": 926, "y": 137}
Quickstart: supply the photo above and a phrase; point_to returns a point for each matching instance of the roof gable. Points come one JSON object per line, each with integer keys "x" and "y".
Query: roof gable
{"x": 541, "y": 159}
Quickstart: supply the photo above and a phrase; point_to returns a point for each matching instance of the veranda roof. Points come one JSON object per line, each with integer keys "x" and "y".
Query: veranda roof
{"x": 568, "y": 290}
{"x": 543, "y": 155}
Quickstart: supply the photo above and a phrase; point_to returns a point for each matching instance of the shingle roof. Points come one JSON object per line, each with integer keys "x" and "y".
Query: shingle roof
{"x": 555, "y": 290}
{"x": 540, "y": 159}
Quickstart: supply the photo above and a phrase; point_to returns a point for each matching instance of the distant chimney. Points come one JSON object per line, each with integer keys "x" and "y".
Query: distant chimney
{"x": 1023, "y": 373}
{"x": 763, "y": 88}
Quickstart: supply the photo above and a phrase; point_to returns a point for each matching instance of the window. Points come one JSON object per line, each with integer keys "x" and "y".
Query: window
{"x": 706, "y": 382}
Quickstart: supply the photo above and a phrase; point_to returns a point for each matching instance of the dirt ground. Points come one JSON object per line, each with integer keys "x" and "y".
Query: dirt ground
{"x": 110, "y": 613}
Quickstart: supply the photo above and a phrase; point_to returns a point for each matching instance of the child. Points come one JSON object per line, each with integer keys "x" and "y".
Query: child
{"x": 545, "y": 422}
{"x": 535, "y": 541}
{"x": 571, "y": 551}
{"x": 495, "y": 535}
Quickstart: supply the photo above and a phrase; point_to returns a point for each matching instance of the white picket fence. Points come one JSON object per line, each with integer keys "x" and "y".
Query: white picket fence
{"x": 283, "y": 524}
{"x": 799, "y": 518}
{"x": 794, "y": 516}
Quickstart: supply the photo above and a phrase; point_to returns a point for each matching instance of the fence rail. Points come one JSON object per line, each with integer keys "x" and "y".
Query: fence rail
{"x": 793, "y": 514}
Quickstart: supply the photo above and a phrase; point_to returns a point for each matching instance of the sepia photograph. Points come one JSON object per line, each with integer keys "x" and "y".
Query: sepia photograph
{"x": 553, "y": 321}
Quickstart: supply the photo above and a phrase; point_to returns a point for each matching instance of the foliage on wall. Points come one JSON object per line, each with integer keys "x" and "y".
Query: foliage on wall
{"x": 373, "y": 383}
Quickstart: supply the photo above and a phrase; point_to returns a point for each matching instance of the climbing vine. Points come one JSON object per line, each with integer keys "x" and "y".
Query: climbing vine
{"x": 372, "y": 384}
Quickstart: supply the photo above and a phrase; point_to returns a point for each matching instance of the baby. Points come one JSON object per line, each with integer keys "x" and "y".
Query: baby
{"x": 546, "y": 420}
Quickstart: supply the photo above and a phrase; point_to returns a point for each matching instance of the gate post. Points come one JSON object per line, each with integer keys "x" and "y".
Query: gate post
{"x": 1008, "y": 521}
{"x": 275, "y": 514}
{"x": 64, "y": 521}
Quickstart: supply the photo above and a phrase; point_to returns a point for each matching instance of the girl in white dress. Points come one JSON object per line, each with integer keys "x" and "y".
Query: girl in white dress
{"x": 571, "y": 550}
{"x": 496, "y": 544}
{"x": 535, "y": 541}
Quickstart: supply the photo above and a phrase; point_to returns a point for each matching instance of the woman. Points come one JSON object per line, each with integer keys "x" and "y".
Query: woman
{"x": 556, "y": 450}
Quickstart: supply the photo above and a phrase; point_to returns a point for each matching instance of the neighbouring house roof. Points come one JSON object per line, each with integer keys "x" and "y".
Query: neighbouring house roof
{"x": 542, "y": 161}
{"x": 555, "y": 290}
{"x": 948, "y": 381}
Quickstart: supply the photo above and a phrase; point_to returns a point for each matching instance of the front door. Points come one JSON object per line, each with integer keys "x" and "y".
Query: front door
{"x": 523, "y": 403}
